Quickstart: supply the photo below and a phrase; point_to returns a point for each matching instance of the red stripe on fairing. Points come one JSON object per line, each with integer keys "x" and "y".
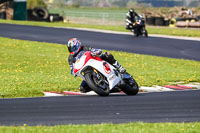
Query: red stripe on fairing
{"x": 175, "y": 87}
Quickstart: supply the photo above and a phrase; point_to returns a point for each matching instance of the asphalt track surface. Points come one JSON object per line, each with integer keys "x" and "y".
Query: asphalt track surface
{"x": 178, "y": 106}
{"x": 174, "y": 48}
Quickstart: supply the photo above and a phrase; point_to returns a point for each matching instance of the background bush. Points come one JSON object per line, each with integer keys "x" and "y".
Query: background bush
{"x": 35, "y": 3}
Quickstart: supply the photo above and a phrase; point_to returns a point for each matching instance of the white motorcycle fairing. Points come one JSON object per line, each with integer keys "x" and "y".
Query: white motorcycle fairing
{"x": 113, "y": 76}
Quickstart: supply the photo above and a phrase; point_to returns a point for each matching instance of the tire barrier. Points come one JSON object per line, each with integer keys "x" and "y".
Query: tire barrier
{"x": 167, "y": 22}
{"x": 2, "y": 15}
{"x": 150, "y": 21}
{"x": 42, "y": 14}
{"x": 159, "y": 21}
{"x": 55, "y": 18}
{"x": 180, "y": 19}
{"x": 179, "y": 22}
{"x": 198, "y": 18}
{"x": 188, "y": 24}
{"x": 37, "y": 14}
{"x": 186, "y": 19}
{"x": 172, "y": 23}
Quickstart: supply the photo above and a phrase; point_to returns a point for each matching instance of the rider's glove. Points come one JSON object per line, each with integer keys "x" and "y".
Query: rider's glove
{"x": 72, "y": 71}
{"x": 96, "y": 52}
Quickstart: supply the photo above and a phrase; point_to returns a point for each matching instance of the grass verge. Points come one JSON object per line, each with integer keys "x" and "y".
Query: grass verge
{"x": 109, "y": 128}
{"x": 28, "y": 68}
{"x": 151, "y": 30}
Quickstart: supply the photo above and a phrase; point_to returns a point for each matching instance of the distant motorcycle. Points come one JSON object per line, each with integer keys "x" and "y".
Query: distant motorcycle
{"x": 138, "y": 27}
{"x": 102, "y": 77}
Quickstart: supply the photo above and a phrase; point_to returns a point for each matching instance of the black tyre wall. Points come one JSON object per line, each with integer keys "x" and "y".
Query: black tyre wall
{"x": 159, "y": 21}
{"x": 38, "y": 14}
{"x": 150, "y": 21}
{"x": 93, "y": 86}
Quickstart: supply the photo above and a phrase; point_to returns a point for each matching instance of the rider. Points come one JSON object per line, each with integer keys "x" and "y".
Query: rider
{"x": 131, "y": 18}
{"x": 75, "y": 47}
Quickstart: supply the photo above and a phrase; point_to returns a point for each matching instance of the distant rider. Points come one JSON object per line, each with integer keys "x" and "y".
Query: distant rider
{"x": 75, "y": 47}
{"x": 131, "y": 18}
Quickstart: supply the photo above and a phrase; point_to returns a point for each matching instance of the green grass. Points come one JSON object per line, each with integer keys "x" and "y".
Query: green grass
{"x": 28, "y": 68}
{"x": 151, "y": 30}
{"x": 109, "y": 128}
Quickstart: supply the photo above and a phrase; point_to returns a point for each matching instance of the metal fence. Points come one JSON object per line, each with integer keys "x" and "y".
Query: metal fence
{"x": 96, "y": 18}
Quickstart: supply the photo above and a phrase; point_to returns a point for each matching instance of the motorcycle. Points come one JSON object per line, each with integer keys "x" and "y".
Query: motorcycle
{"x": 138, "y": 27}
{"x": 101, "y": 76}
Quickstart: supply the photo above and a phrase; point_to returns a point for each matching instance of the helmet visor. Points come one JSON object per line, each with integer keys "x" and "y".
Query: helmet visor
{"x": 72, "y": 48}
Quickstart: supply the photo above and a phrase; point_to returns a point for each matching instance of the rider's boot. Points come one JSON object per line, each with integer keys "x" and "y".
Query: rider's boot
{"x": 84, "y": 87}
{"x": 119, "y": 67}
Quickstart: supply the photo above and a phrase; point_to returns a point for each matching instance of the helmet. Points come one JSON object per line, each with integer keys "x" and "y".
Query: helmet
{"x": 131, "y": 10}
{"x": 74, "y": 45}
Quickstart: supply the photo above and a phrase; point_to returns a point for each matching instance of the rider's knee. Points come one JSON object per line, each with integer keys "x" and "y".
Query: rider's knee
{"x": 109, "y": 58}
{"x": 108, "y": 54}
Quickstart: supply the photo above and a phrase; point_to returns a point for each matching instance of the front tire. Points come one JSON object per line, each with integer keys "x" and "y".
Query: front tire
{"x": 90, "y": 81}
{"x": 130, "y": 89}
{"x": 146, "y": 33}
{"x": 135, "y": 34}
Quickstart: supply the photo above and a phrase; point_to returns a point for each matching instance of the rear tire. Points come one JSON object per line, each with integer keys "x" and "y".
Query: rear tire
{"x": 94, "y": 87}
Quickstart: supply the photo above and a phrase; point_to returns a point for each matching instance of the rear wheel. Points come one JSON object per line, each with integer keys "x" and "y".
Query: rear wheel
{"x": 96, "y": 83}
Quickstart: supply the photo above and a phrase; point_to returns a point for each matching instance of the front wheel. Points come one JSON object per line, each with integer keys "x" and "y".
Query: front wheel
{"x": 146, "y": 33}
{"x": 135, "y": 32}
{"x": 93, "y": 82}
{"x": 130, "y": 89}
